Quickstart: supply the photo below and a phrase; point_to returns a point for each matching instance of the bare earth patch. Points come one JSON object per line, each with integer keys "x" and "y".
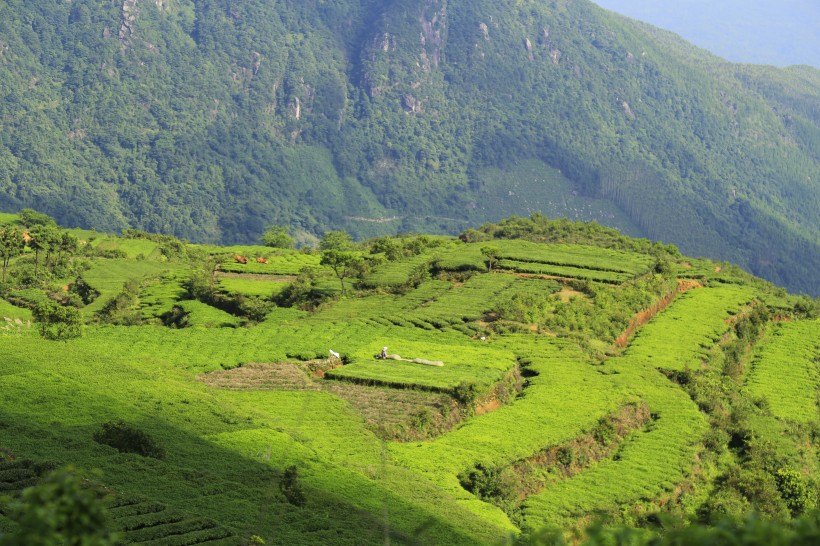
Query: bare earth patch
{"x": 394, "y": 414}
{"x": 566, "y": 293}
{"x": 255, "y": 376}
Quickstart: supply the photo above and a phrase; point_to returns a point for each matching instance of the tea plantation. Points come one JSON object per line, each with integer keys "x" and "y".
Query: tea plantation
{"x": 531, "y": 388}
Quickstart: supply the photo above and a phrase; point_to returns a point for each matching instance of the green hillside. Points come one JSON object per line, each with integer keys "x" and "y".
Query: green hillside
{"x": 210, "y": 120}
{"x": 540, "y": 374}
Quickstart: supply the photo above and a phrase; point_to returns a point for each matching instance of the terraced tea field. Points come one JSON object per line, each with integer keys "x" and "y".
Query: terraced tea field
{"x": 266, "y": 435}
{"x": 786, "y": 371}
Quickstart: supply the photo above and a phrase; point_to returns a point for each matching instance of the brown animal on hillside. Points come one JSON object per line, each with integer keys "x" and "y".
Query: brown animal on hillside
{"x": 261, "y": 260}
{"x": 241, "y": 259}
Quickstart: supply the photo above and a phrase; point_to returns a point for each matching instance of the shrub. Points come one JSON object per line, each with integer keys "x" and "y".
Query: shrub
{"x": 127, "y": 438}
{"x": 466, "y": 393}
{"x": 291, "y": 488}
{"x": 57, "y": 322}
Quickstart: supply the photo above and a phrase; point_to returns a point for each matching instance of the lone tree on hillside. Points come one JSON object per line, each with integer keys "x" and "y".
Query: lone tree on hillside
{"x": 491, "y": 256}
{"x": 336, "y": 240}
{"x": 11, "y": 245}
{"x": 343, "y": 263}
{"x": 277, "y": 237}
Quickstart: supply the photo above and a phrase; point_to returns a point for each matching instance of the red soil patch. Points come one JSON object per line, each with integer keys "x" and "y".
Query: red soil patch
{"x": 566, "y": 293}
{"x": 492, "y": 405}
{"x": 687, "y": 265}
{"x": 644, "y": 316}
{"x": 718, "y": 269}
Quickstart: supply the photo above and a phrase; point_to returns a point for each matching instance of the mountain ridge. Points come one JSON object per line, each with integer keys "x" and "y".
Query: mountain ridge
{"x": 210, "y": 121}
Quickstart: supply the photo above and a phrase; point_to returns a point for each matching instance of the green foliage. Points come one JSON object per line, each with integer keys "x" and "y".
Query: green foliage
{"x": 795, "y": 492}
{"x": 62, "y": 509}
{"x": 253, "y": 432}
{"x": 58, "y": 322}
{"x": 277, "y": 237}
{"x": 343, "y": 263}
{"x": 719, "y": 159}
{"x": 336, "y": 240}
{"x": 752, "y": 530}
{"x": 127, "y": 438}
{"x": 491, "y": 256}
{"x": 291, "y": 488}
{"x": 30, "y": 218}
{"x": 11, "y": 246}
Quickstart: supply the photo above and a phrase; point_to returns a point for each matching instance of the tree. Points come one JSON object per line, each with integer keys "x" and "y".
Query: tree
{"x": 58, "y": 322}
{"x": 343, "y": 263}
{"x": 30, "y": 218}
{"x": 43, "y": 238}
{"x": 336, "y": 240}
{"x": 68, "y": 244}
{"x": 277, "y": 237}
{"x": 491, "y": 256}
{"x": 60, "y": 510}
{"x": 11, "y": 245}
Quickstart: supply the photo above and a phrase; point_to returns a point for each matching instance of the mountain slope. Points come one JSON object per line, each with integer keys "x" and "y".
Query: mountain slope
{"x": 210, "y": 120}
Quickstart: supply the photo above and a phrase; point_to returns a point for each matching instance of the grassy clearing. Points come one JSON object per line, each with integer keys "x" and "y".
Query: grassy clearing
{"x": 196, "y": 314}
{"x": 786, "y": 370}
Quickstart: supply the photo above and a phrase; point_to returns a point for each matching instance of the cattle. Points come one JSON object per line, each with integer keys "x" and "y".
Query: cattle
{"x": 261, "y": 260}
{"x": 241, "y": 259}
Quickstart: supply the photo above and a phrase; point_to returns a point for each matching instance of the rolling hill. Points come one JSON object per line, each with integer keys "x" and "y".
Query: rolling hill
{"x": 210, "y": 120}
{"x": 577, "y": 373}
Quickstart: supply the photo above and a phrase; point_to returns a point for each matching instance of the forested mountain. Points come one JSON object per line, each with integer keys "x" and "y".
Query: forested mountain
{"x": 210, "y": 119}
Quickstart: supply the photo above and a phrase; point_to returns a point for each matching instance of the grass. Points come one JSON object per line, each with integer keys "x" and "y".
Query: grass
{"x": 13, "y": 312}
{"x": 664, "y": 344}
{"x": 563, "y": 260}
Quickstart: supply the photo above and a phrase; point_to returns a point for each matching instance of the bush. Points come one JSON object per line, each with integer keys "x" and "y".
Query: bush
{"x": 127, "y": 438}
{"x": 57, "y": 322}
{"x": 466, "y": 393}
{"x": 291, "y": 488}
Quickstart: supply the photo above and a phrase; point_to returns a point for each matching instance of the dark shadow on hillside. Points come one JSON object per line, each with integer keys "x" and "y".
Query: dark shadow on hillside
{"x": 239, "y": 492}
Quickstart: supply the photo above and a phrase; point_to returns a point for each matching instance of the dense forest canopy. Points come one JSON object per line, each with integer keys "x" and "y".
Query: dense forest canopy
{"x": 211, "y": 119}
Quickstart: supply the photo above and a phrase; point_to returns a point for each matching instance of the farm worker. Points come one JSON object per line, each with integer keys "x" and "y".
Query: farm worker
{"x": 383, "y": 356}
{"x": 333, "y": 354}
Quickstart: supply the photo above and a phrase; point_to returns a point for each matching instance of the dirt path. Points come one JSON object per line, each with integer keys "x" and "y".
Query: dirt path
{"x": 645, "y": 315}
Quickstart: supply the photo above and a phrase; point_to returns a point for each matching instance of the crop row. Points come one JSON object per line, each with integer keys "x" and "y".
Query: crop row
{"x": 785, "y": 370}
{"x": 564, "y": 395}
{"x": 579, "y": 256}
{"x": 280, "y": 264}
{"x": 564, "y": 271}
{"x": 664, "y": 344}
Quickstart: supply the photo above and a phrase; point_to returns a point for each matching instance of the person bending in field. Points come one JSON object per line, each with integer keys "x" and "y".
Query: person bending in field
{"x": 383, "y": 356}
